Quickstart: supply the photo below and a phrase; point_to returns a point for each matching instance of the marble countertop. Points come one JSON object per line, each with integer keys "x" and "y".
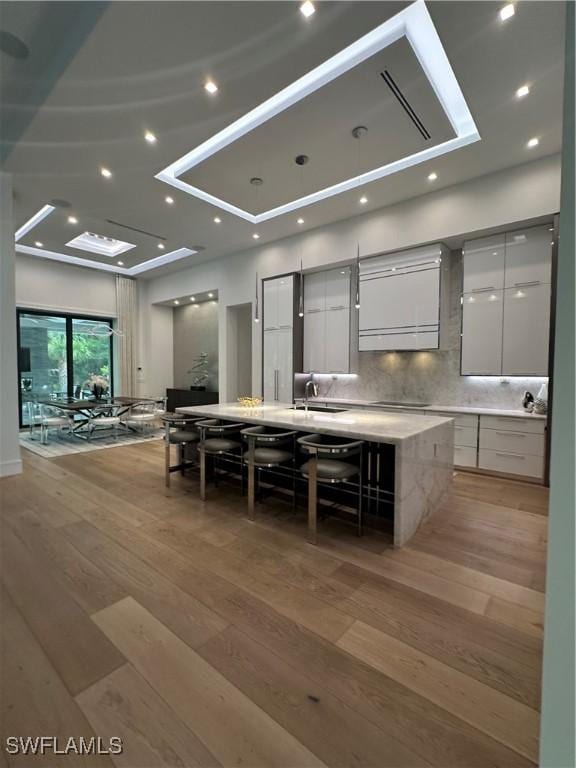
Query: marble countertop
{"x": 363, "y": 425}
{"x": 481, "y": 411}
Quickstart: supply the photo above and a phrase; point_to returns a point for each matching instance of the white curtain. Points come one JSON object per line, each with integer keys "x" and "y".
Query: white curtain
{"x": 127, "y": 314}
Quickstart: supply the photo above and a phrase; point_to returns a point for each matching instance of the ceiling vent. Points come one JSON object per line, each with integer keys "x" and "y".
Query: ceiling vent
{"x": 404, "y": 103}
{"x": 105, "y": 246}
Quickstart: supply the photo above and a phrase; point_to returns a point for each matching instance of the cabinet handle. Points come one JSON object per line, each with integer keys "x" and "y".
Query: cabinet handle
{"x": 528, "y": 282}
{"x": 479, "y": 290}
{"x": 514, "y": 434}
{"x": 338, "y": 306}
{"x": 511, "y": 455}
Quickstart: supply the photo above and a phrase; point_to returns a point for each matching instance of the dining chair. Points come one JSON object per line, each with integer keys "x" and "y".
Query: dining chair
{"x": 52, "y": 418}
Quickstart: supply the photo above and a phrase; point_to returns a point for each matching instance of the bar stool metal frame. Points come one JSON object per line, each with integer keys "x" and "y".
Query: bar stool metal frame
{"x": 273, "y": 441}
{"x": 183, "y": 425}
{"x": 223, "y": 430}
{"x": 313, "y": 446}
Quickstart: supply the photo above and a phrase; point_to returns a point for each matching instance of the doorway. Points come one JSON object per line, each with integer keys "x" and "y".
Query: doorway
{"x": 58, "y": 354}
{"x": 239, "y": 351}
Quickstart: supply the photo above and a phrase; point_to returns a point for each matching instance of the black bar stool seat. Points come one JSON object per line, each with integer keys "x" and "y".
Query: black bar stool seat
{"x": 218, "y": 438}
{"x": 180, "y": 431}
{"x": 267, "y": 448}
{"x": 331, "y": 470}
{"x": 184, "y": 436}
{"x": 328, "y": 464}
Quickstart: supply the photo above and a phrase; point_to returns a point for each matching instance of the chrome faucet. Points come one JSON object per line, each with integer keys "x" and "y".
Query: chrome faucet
{"x": 306, "y": 391}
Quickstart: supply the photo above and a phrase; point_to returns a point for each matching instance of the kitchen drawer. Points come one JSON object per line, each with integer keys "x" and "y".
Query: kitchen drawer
{"x": 537, "y": 426}
{"x": 460, "y": 419}
{"x": 466, "y": 436}
{"x": 464, "y": 456}
{"x": 511, "y": 463}
{"x": 512, "y": 442}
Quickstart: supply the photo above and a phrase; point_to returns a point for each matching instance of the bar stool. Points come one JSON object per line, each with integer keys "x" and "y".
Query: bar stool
{"x": 267, "y": 448}
{"x": 180, "y": 431}
{"x": 218, "y": 438}
{"x": 328, "y": 464}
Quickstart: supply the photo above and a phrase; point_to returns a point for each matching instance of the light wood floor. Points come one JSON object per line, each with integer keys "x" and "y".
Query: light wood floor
{"x": 202, "y": 639}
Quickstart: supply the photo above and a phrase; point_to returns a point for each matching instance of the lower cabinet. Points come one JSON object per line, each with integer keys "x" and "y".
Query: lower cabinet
{"x": 513, "y": 446}
{"x": 278, "y": 366}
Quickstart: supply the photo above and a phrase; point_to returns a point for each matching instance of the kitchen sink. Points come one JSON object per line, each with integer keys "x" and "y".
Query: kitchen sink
{"x": 320, "y": 409}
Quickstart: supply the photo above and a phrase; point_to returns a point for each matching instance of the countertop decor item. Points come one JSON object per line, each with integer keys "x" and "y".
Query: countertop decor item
{"x": 541, "y": 402}
{"x": 98, "y": 385}
{"x": 199, "y": 370}
{"x": 250, "y": 402}
{"x": 528, "y": 402}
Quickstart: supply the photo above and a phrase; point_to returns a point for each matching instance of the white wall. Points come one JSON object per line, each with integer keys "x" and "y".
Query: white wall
{"x": 155, "y": 359}
{"x": 10, "y": 462}
{"x": 51, "y": 285}
{"x": 495, "y": 200}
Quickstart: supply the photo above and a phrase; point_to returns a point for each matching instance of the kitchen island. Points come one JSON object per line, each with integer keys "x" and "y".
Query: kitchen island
{"x": 409, "y": 458}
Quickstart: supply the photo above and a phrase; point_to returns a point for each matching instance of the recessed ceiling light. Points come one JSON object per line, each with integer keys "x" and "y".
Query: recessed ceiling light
{"x": 210, "y": 295}
{"x": 524, "y": 90}
{"x": 120, "y": 263}
{"x": 72, "y": 220}
{"x": 550, "y": 229}
{"x": 533, "y": 143}
{"x": 150, "y": 137}
{"x": 507, "y": 12}
{"x": 106, "y": 173}
{"x": 363, "y": 200}
{"x": 300, "y": 221}
{"x": 160, "y": 246}
{"x": 211, "y": 86}
{"x": 256, "y": 236}
{"x": 307, "y": 9}
{"x": 169, "y": 200}
{"x": 217, "y": 220}
{"x": 38, "y": 244}
{"x": 432, "y": 176}
{"x": 176, "y": 301}
{"x": 192, "y": 298}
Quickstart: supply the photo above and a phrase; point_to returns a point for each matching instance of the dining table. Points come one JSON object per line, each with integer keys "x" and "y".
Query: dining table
{"x": 83, "y": 412}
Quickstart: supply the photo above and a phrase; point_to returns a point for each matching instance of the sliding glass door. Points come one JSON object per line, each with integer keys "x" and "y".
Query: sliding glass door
{"x": 58, "y": 356}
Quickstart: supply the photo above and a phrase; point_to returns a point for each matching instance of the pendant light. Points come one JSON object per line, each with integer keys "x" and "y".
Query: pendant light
{"x": 357, "y": 133}
{"x": 301, "y": 297}
{"x": 301, "y": 161}
{"x": 256, "y": 306}
{"x": 357, "y": 298}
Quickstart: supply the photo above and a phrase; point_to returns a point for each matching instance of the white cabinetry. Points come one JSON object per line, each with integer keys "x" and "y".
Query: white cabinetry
{"x": 512, "y": 446}
{"x": 400, "y": 301}
{"x": 482, "y": 314}
{"x": 278, "y": 353}
{"x": 506, "y": 304}
{"x": 327, "y": 322}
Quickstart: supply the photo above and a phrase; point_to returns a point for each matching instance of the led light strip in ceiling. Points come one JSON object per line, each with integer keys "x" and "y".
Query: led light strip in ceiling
{"x": 415, "y": 24}
{"x": 137, "y": 269}
{"x": 157, "y": 261}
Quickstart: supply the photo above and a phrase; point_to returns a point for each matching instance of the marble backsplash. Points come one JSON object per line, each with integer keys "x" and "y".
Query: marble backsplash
{"x": 430, "y": 377}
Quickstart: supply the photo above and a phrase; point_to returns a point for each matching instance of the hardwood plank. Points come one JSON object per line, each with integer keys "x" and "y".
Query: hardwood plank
{"x": 432, "y": 732}
{"x": 499, "y": 716}
{"x": 231, "y": 726}
{"x": 491, "y": 585}
{"x": 83, "y": 580}
{"x": 524, "y": 619}
{"x": 291, "y": 601}
{"x": 324, "y": 724}
{"x": 77, "y": 649}
{"x": 34, "y": 700}
{"x": 190, "y": 619}
{"x": 123, "y": 704}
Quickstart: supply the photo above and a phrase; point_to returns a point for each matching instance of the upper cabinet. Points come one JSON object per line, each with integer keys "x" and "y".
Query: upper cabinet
{"x": 506, "y": 304}
{"x": 484, "y": 260}
{"x": 279, "y": 302}
{"x": 400, "y": 300}
{"x": 327, "y": 321}
{"x": 528, "y": 257}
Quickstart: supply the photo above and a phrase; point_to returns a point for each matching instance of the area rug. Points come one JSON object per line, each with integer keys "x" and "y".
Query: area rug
{"x": 68, "y": 444}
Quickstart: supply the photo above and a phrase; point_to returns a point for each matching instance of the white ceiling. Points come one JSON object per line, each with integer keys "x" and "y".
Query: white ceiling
{"x": 143, "y": 66}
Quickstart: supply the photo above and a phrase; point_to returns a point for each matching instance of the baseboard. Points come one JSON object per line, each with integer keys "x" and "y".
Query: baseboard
{"x": 8, "y": 468}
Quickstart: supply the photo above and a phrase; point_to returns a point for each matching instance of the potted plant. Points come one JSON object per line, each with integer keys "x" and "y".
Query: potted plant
{"x": 98, "y": 385}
